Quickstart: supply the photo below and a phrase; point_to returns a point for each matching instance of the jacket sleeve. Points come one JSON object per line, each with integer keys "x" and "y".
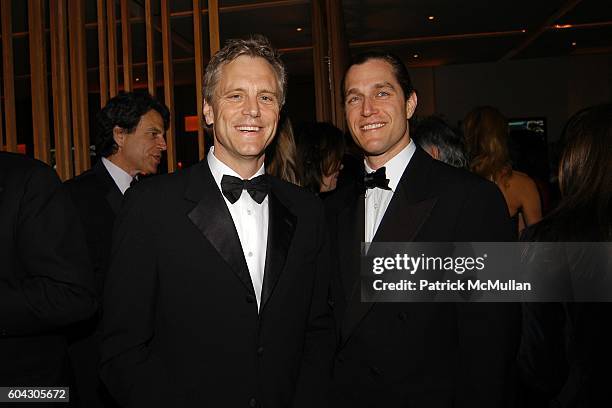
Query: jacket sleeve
{"x": 314, "y": 381}
{"x": 52, "y": 283}
{"x": 129, "y": 368}
{"x": 489, "y": 333}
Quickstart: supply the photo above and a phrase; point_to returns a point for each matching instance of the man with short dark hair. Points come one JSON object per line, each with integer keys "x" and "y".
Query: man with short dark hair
{"x": 217, "y": 293}
{"x": 411, "y": 354}
{"x": 129, "y": 143}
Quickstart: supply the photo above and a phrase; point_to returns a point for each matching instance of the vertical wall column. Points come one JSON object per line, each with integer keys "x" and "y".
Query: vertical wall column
{"x": 339, "y": 57}
{"x": 150, "y": 48}
{"x": 113, "y": 75}
{"x": 321, "y": 61}
{"x": 78, "y": 77}
{"x": 168, "y": 82}
{"x": 8, "y": 78}
{"x": 126, "y": 45}
{"x": 199, "y": 72}
{"x": 102, "y": 52}
{"x": 60, "y": 86}
{"x": 38, "y": 78}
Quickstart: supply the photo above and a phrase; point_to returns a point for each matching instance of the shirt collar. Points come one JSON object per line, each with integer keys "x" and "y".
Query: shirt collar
{"x": 395, "y": 167}
{"x": 219, "y": 169}
{"x": 121, "y": 178}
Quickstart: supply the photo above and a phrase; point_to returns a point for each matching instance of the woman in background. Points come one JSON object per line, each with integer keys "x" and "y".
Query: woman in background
{"x": 566, "y": 354}
{"x": 281, "y": 154}
{"x": 320, "y": 148}
{"x": 486, "y": 132}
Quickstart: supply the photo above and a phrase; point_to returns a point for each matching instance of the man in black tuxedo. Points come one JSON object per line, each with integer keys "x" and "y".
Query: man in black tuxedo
{"x": 218, "y": 296}
{"x": 46, "y": 281}
{"x": 129, "y": 141}
{"x": 411, "y": 354}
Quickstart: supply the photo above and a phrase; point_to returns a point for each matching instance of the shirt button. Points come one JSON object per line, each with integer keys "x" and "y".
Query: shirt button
{"x": 249, "y": 212}
{"x": 250, "y": 254}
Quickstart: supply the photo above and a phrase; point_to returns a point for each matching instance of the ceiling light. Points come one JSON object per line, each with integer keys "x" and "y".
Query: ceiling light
{"x": 416, "y": 55}
{"x": 574, "y": 43}
{"x": 431, "y": 18}
{"x": 560, "y": 26}
{"x": 523, "y": 31}
{"x": 137, "y": 79}
{"x": 299, "y": 29}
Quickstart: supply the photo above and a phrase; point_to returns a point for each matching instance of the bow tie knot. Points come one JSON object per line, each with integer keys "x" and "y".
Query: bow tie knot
{"x": 257, "y": 187}
{"x": 376, "y": 179}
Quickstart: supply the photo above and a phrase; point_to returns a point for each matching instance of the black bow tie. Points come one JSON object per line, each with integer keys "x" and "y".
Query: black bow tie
{"x": 232, "y": 188}
{"x": 377, "y": 179}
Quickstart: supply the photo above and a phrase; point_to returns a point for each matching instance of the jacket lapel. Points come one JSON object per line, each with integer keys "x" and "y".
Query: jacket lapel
{"x": 212, "y": 217}
{"x": 407, "y": 212}
{"x": 113, "y": 195}
{"x": 281, "y": 227}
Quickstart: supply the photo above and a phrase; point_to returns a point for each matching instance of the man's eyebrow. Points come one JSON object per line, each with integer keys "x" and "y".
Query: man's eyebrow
{"x": 384, "y": 85}
{"x": 154, "y": 129}
{"x": 378, "y": 85}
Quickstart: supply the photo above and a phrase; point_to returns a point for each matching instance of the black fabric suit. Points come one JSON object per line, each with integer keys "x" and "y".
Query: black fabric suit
{"x": 46, "y": 281}
{"x": 418, "y": 354}
{"x": 181, "y": 326}
{"x": 98, "y": 200}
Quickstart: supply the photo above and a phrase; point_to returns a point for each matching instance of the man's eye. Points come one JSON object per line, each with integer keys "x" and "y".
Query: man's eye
{"x": 383, "y": 93}
{"x": 267, "y": 98}
{"x": 235, "y": 97}
{"x": 353, "y": 99}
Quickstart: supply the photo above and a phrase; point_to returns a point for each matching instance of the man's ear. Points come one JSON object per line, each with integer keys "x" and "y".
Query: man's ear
{"x": 119, "y": 136}
{"x": 209, "y": 115}
{"x": 411, "y": 105}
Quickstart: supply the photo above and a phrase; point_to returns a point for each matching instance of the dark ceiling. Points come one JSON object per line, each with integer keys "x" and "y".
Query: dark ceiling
{"x": 460, "y": 32}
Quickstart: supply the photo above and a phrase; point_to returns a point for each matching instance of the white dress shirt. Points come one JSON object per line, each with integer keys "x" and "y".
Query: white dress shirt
{"x": 121, "y": 177}
{"x": 250, "y": 220}
{"x": 376, "y": 199}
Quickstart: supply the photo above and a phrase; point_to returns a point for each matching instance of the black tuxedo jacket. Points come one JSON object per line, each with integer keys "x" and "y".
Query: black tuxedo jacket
{"x": 181, "y": 325}
{"x": 421, "y": 354}
{"x": 45, "y": 278}
{"x": 97, "y": 200}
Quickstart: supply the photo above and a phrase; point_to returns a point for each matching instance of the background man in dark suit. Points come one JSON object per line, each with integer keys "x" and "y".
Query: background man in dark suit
{"x": 218, "y": 296}
{"x": 46, "y": 281}
{"x": 411, "y": 354}
{"x": 129, "y": 141}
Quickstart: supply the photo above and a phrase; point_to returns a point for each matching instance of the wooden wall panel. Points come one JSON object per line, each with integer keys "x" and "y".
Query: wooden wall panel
{"x": 168, "y": 81}
{"x": 339, "y": 57}
{"x": 60, "y": 87}
{"x": 102, "y": 52}
{"x": 8, "y": 78}
{"x": 78, "y": 78}
{"x": 150, "y": 48}
{"x": 38, "y": 78}
{"x": 126, "y": 45}
{"x": 321, "y": 61}
{"x": 113, "y": 74}
{"x": 199, "y": 75}
{"x": 213, "y": 26}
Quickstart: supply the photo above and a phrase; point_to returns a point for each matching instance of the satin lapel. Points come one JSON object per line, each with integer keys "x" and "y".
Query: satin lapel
{"x": 213, "y": 219}
{"x": 113, "y": 195}
{"x": 281, "y": 226}
{"x": 408, "y": 210}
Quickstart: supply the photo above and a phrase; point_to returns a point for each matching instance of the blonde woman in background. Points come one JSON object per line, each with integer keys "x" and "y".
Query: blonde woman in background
{"x": 486, "y": 134}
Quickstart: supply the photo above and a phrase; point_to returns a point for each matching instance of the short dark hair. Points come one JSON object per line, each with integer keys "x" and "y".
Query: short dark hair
{"x": 255, "y": 46}
{"x": 320, "y": 149}
{"x": 434, "y": 131}
{"x": 399, "y": 69}
{"x": 125, "y": 111}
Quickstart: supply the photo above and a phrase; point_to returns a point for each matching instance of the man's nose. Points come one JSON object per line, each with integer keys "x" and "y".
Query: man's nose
{"x": 251, "y": 106}
{"x": 161, "y": 144}
{"x": 367, "y": 107}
